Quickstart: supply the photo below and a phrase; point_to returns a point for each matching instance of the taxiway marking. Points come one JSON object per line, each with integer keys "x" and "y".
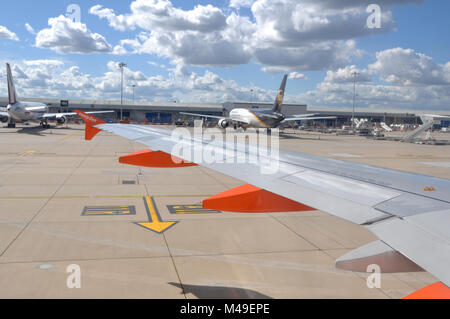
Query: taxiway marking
{"x": 67, "y": 137}
{"x": 155, "y": 222}
{"x": 190, "y": 209}
{"x": 108, "y": 210}
{"x": 26, "y": 153}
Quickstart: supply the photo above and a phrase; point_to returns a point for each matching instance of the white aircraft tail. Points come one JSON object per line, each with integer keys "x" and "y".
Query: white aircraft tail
{"x": 12, "y": 95}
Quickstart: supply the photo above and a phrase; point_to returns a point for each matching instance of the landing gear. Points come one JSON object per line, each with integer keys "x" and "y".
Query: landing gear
{"x": 269, "y": 131}
{"x": 11, "y": 124}
{"x": 45, "y": 124}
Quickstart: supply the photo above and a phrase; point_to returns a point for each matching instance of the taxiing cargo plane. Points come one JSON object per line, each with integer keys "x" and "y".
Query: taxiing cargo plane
{"x": 30, "y": 111}
{"x": 245, "y": 118}
{"x": 409, "y": 213}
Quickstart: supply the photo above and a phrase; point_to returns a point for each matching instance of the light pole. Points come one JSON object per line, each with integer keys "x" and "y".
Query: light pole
{"x": 354, "y": 74}
{"x": 133, "y": 86}
{"x": 121, "y": 66}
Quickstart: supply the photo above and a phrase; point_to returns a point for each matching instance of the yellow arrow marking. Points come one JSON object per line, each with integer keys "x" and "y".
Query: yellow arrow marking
{"x": 155, "y": 223}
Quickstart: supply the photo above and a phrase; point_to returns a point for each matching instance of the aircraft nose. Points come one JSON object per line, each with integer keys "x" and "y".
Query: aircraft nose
{"x": 8, "y": 107}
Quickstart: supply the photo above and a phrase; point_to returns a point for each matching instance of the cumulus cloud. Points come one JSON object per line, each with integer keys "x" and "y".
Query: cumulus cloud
{"x": 411, "y": 79}
{"x": 67, "y": 36}
{"x": 407, "y": 67}
{"x": 282, "y": 35}
{"x": 318, "y": 56}
{"x": 6, "y": 34}
{"x": 348, "y": 75}
{"x": 56, "y": 79}
{"x": 160, "y": 14}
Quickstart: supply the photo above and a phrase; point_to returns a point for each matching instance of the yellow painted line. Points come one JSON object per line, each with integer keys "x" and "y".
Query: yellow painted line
{"x": 108, "y": 210}
{"x": 106, "y": 213}
{"x": 190, "y": 209}
{"x": 26, "y": 153}
{"x": 106, "y": 207}
{"x": 67, "y": 137}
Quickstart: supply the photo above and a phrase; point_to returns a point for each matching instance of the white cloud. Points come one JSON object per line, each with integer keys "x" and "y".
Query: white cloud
{"x": 30, "y": 28}
{"x": 6, "y": 34}
{"x": 162, "y": 66}
{"x": 407, "y": 67}
{"x": 348, "y": 75}
{"x": 237, "y": 4}
{"x": 56, "y": 79}
{"x": 318, "y": 56}
{"x": 118, "y": 22}
{"x": 67, "y": 36}
{"x": 412, "y": 81}
{"x": 297, "y": 76}
{"x": 282, "y": 35}
{"x": 160, "y": 14}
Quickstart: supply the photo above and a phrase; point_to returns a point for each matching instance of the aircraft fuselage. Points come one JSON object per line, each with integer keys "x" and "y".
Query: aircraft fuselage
{"x": 27, "y": 111}
{"x": 256, "y": 118}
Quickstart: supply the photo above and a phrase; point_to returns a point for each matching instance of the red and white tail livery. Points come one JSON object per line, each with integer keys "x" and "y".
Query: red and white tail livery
{"x": 12, "y": 95}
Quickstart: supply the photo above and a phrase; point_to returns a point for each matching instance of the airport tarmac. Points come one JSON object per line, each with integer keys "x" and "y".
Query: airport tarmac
{"x": 66, "y": 201}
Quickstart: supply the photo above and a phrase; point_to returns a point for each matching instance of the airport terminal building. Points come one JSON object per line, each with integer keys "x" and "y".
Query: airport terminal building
{"x": 169, "y": 112}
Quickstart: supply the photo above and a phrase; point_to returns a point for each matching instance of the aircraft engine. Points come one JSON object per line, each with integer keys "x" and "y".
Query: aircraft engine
{"x": 4, "y": 119}
{"x": 223, "y": 123}
{"x": 61, "y": 120}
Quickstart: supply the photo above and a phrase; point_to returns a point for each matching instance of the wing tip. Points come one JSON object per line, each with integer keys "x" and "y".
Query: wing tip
{"x": 90, "y": 121}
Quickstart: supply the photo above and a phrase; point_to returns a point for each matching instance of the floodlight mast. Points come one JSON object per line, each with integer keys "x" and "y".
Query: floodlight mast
{"x": 354, "y": 74}
{"x": 133, "y": 86}
{"x": 121, "y": 66}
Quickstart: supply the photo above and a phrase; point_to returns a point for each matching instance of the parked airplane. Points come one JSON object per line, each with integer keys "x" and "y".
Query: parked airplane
{"x": 30, "y": 111}
{"x": 409, "y": 213}
{"x": 245, "y": 118}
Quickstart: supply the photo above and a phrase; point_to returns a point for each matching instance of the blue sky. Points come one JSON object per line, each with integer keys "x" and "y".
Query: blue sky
{"x": 213, "y": 51}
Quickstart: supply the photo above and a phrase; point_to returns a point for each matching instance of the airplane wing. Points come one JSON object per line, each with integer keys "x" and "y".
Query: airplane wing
{"x": 308, "y": 118}
{"x": 304, "y": 115}
{"x": 204, "y": 115}
{"x": 59, "y": 115}
{"x": 409, "y": 213}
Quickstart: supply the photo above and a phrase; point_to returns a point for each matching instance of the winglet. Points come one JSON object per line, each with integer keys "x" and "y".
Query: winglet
{"x": 90, "y": 120}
